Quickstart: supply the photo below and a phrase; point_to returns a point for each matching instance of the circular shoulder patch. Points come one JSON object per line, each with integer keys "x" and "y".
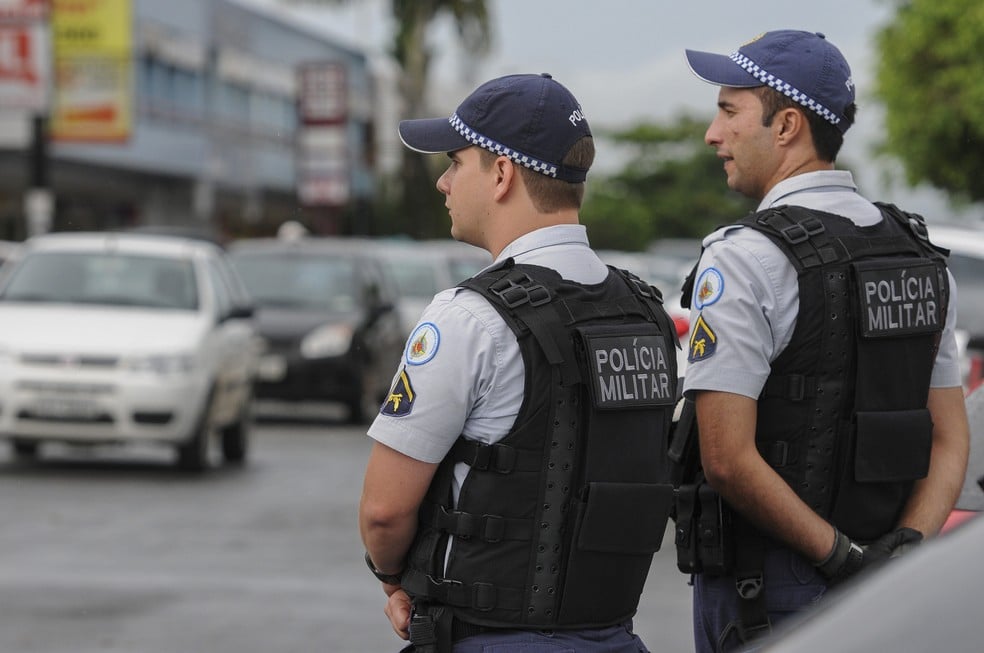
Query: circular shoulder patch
{"x": 709, "y": 288}
{"x": 423, "y": 344}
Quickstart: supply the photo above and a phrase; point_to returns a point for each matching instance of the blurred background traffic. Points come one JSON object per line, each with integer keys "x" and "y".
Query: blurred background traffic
{"x": 259, "y": 137}
{"x": 208, "y": 227}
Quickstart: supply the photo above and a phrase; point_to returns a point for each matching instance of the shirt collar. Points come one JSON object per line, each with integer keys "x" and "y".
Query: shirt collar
{"x": 821, "y": 180}
{"x": 561, "y": 234}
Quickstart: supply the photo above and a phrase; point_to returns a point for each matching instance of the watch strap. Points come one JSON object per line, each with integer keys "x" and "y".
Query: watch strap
{"x": 389, "y": 579}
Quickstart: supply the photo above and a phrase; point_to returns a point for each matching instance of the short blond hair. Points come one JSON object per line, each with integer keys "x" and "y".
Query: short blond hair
{"x": 548, "y": 194}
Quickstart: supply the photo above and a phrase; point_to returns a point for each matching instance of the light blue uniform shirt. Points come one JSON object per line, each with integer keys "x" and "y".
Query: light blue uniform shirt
{"x": 753, "y": 313}
{"x": 472, "y": 381}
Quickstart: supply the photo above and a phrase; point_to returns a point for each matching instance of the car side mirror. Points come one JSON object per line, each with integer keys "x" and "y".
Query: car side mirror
{"x": 240, "y": 312}
{"x": 379, "y": 309}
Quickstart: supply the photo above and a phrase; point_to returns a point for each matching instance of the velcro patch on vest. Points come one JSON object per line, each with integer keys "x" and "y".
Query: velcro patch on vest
{"x": 628, "y": 369}
{"x": 900, "y": 297}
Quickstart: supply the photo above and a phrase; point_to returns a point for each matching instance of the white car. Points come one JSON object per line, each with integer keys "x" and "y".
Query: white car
{"x": 124, "y": 338}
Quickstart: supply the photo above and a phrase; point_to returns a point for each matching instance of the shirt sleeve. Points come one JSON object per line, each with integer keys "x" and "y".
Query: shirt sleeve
{"x": 449, "y": 366}
{"x": 946, "y": 368}
{"x": 742, "y": 314}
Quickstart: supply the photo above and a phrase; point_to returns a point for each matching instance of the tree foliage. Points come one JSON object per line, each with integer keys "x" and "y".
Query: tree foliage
{"x": 672, "y": 186}
{"x": 930, "y": 78}
{"x": 420, "y": 204}
{"x": 413, "y": 205}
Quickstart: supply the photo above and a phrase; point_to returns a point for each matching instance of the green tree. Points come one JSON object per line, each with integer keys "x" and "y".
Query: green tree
{"x": 930, "y": 77}
{"x": 419, "y": 208}
{"x": 672, "y": 186}
{"x": 420, "y": 203}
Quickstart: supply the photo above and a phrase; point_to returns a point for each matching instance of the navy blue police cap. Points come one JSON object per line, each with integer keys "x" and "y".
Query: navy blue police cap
{"x": 804, "y": 66}
{"x": 532, "y": 119}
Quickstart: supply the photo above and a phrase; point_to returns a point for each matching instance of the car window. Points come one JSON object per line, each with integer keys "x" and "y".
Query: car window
{"x": 104, "y": 278}
{"x": 313, "y": 282}
{"x": 223, "y": 300}
{"x": 414, "y": 278}
{"x": 237, "y": 291}
{"x": 462, "y": 268}
{"x": 966, "y": 270}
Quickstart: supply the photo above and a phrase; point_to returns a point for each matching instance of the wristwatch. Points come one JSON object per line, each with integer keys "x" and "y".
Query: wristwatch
{"x": 389, "y": 579}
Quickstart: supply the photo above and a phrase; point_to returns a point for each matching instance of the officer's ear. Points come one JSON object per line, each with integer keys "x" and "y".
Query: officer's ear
{"x": 506, "y": 176}
{"x": 789, "y": 124}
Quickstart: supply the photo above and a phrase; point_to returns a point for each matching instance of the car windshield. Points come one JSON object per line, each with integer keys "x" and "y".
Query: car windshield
{"x": 305, "y": 282}
{"x": 414, "y": 278}
{"x": 110, "y": 279}
{"x": 462, "y": 268}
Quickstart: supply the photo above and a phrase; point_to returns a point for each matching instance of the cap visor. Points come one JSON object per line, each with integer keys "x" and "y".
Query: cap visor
{"x": 719, "y": 69}
{"x": 431, "y": 136}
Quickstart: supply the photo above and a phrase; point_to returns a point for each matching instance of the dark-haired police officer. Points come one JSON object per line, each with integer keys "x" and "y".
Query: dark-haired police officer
{"x": 516, "y": 489}
{"x": 822, "y": 359}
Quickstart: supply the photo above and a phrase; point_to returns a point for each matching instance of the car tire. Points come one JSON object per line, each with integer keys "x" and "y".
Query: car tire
{"x": 25, "y": 449}
{"x": 193, "y": 454}
{"x": 235, "y": 437}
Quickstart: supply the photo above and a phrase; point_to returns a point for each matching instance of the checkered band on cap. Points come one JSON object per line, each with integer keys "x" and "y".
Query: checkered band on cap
{"x": 789, "y": 90}
{"x": 491, "y": 145}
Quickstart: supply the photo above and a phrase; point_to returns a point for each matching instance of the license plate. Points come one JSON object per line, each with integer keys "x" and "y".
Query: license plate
{"x": 64, "y": 408}
{"x": 271, "y": 368}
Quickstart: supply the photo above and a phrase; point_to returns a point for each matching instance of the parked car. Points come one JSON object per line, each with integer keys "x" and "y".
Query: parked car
{"x": 124, "y": 338}
{"x": 966, "y": 262}
{"x": 424, "y": 268}
{"x": 327, "y": 310}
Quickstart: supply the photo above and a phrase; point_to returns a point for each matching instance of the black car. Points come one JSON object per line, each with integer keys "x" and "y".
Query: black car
{"x": 327, "y": 310}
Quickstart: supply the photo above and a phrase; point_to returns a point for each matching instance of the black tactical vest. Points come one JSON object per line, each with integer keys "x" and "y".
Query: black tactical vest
{"x": 556, "y": 524}
{"x": 843, "y": 416}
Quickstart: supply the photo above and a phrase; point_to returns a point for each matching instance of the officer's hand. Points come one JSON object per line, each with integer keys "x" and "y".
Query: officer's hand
{"x": 398, "y": 610}
{"x": 891, "y": 545}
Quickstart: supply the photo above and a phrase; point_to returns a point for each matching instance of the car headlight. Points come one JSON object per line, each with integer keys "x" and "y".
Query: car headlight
{"x": 162, "y": 363}
{"x": 327, "y": 340}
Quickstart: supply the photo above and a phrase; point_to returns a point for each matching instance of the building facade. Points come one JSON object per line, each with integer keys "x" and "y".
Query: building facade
{"x": 238, "y": 119}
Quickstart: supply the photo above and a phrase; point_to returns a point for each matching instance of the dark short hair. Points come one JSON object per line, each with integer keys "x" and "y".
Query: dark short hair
{"x": 548, "y": 194}
{"x": 827, "y": 138}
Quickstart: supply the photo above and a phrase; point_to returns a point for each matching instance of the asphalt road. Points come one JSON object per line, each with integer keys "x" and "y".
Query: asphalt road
{"x": 117, "y": 551}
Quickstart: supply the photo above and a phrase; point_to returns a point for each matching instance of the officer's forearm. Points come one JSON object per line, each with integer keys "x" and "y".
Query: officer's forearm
{"x": 394, "y": 488}
{"x": 736, "y": 470}
{"x": 934, "y": 496}
{"x": 387, "y": 542}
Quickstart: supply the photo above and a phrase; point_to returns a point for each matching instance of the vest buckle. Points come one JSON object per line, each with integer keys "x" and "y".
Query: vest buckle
{"x": 483, "y": 596}
{"x": 800, "y": 232}
{"x": 517, "y": 290}
{"x": 918, "y": 228}
{"x": 749, "y": 587}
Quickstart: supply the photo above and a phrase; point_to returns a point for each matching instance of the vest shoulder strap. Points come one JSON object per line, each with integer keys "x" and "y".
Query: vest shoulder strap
{"x": 523, "y": 303}
{"x": 799, "y": 232}
{"x": 916, "y": 224}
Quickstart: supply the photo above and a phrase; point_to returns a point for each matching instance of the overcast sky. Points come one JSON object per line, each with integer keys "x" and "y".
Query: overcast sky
{"x": 624, "y": 59}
